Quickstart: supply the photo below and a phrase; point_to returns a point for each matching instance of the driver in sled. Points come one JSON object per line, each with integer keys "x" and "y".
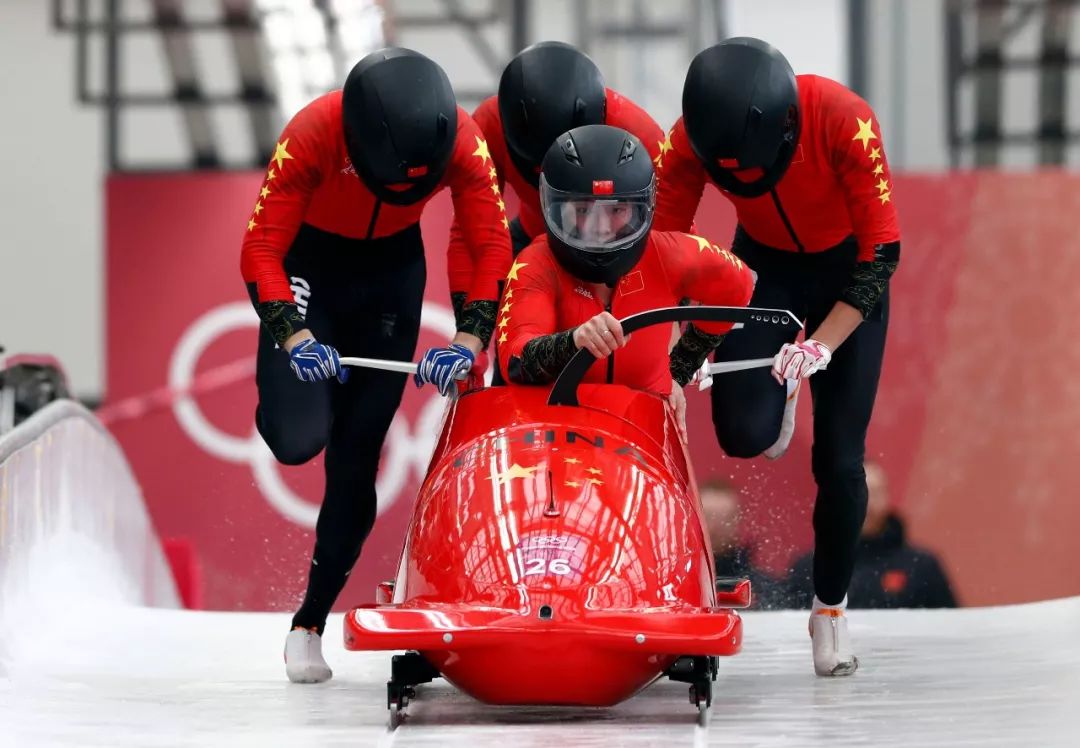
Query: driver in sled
{"x": 599, "y": 261}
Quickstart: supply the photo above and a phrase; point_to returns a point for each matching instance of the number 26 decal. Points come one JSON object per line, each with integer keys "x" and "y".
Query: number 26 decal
{"x": 559, "y": 566}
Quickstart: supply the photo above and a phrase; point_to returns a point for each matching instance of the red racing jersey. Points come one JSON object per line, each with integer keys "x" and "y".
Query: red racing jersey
{"x": 619, "y": 112}
{"x": 310, "y": 179}
{"x": 838, "y": 184}
{"x": 541, "y": 298}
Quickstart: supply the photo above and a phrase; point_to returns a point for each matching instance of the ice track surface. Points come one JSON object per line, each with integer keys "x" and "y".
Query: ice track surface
{"x": 144, "y": 677}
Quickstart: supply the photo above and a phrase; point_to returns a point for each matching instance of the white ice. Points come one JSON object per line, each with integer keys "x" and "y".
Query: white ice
{"x": 111, "y": 674}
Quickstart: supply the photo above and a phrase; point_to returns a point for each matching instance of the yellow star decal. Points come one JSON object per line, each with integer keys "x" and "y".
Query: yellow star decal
{"x": 572, "y": 484}
{"x": 252, "y": 224}
{"x": 502, "y": 338}
{"x": 505, "y": 223}
{"x": 882, "y": 186}
{"x": 514, "y": 471}
{"x": 264, "y": 192}
{"x": 506, "y": 308}
{"x": 270, "y": 175}
{"x": 502, "y": 205}
{"x": 884, "y": 198}
{"x": 495, "y": 188}
{"x": 665, "y": 144}
{"x": 509, "y": 294}
{"x": 879, "y": 170}
{"x": 513, "y": 274}
{"x": 594, "y": 471}
{"x": 596, "y": 482}
{"x": 703, "y": 244}
{"x": 875, "y": 154}
{"x": 492, "y": 173}
{"x": 504, "y": 322}
{"x": 571, "y": 461}
{"x": 481, "y": 149}
{"x": 280, "y": 154}
{"x": 258, "y": 208}
{"x": 865, "y": 133}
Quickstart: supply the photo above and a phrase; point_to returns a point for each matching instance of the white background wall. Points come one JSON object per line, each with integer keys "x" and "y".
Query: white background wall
{"x": 51, "y": 148}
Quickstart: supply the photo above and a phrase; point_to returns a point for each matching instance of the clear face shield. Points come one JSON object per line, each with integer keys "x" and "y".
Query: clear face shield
{"x": 596, "y": 223}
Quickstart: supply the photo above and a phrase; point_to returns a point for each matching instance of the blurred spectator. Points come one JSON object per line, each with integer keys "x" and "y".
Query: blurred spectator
{"x": 720, "y": 502}
{"x": 889, "y": 573}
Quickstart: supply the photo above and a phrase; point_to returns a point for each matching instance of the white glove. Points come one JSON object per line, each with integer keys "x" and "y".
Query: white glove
{"x": 702, "y": 377}
{"x": 800, "y": 360}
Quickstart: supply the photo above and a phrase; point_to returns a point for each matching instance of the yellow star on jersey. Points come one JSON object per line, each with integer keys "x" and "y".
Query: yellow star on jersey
{"x": 572, "y": 484}
{"x": 879, "y": 170}
{"x": 509, "y": 294}
{"x": 492, "y": 174}
{"x": 270, "y": 175}
{"x": 514, "y": 471}
{"x": 502, "y": 338}
{"x": 665, "y": 146}
{"x": 505, "y": 223}
{"x": 506, "y": 308}
{"x": 495, "y": 187}
{"x": 703, "y": 244}
{"x": 882, "y": 186}
{"x": 596, "y": 482}
{"x": 258, "y": 208}
{"x": 280, "y": 154}
{"x": 252, "y": 224}
{"x": 594, "y": 471}
{"x": 502, "y": 205}
{"x": 571, "y": 461}
{"x": 875, "y": 154}
{"x": 264, "y": 192}
{"x": 884, "y": 198}
{"x": 504, "y": 322}
{"x": 513, "y": 274}
{"x": 865, "y": 133}
{"x": 481, "y": 149}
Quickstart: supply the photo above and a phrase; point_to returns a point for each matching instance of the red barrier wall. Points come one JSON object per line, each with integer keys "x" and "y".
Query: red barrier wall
{"x": 973, "y": 421}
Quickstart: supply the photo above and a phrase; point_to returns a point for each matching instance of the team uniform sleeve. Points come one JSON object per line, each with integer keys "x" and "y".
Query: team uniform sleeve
{"x": 293, "y": 174}
{"x": 680, "y": 182}
{"x": 460, "y": 259}
{"x": 701, "y": 271}
{"x": 531, "y": 350}
{"x": 481, "y": 215}
{"x": 291, "y": 177}
{"x": 858, "y": 157}
{"x": 629, "y": 116}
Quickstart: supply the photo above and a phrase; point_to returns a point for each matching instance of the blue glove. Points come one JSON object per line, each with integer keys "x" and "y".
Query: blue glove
{"x": 315, "y": 362}
{"x": 441, "y": 366}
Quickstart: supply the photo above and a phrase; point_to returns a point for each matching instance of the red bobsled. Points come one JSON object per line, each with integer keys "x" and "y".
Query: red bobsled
{"x": 556, "y": 553}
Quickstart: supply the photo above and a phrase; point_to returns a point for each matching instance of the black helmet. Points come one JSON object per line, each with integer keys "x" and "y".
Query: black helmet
{"x": 547, "y": 89}
{"x": 400, "y": 118}
{"x": 741, "y": 111}
{"x": 597, "y": 192}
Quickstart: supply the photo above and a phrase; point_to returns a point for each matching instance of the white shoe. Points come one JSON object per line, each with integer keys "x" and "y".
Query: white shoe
{"x": 304, "y": 662}
{"x": 787, "y": 426}
{"x": 832, "y": 645}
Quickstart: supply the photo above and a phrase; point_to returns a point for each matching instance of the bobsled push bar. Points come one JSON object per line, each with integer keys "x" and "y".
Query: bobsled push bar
{"x": 745, "y": 315}
{"x": 565, "y": 390}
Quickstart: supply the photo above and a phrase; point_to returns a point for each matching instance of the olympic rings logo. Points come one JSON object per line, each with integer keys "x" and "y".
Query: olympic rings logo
{"x": 403, "y": 452}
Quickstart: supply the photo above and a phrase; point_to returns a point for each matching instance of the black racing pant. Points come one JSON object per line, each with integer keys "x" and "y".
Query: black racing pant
{"x": 748, "y": 406}
{"x": 363, "y": 298}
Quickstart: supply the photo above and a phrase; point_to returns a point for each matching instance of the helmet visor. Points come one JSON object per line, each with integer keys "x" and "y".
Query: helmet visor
{"x": 596, "y": 223}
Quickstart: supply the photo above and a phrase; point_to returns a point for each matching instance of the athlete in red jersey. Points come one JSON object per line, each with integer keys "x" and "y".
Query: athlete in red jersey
{"x": 802, "y": 161}
{"x": 333, "y": 259}
{"x": 599, "y": 261}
